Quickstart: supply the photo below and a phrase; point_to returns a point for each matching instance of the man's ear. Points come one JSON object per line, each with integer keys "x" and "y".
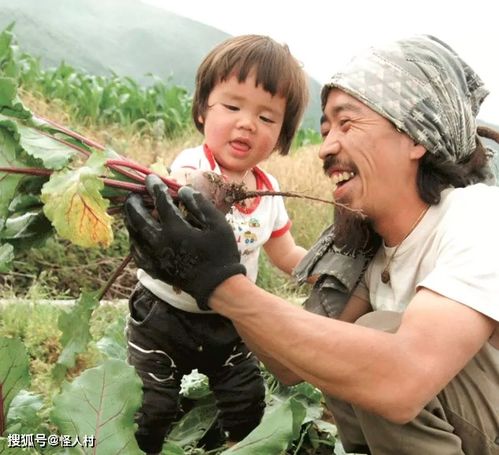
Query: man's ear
{"x": 417, "y": 152}
{"x": 200, "y": 119}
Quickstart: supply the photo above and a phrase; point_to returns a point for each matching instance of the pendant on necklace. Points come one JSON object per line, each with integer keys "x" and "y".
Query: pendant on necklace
{"x": 385, "y": 276}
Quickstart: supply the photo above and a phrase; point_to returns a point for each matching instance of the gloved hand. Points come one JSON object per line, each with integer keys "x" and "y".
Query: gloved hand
{"x": 195, "y": 252}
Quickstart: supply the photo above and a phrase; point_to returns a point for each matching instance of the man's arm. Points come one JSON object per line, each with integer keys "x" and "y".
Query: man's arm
{"x": 281, "y": 372}
{"x": 354, "y": 309}
{"x": 393, "y": 375}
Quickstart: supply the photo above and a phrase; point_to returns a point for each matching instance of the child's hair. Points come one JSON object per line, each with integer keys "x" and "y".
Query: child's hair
{"x": 276, "y": 70}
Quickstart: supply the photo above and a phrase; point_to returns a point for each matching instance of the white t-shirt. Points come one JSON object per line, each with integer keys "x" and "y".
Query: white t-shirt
{"x": 454, "y": 251}
{"x": 253, "y": 225}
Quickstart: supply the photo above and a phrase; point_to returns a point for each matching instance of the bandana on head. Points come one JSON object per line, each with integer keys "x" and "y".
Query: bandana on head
{"x": 423, "y": 87}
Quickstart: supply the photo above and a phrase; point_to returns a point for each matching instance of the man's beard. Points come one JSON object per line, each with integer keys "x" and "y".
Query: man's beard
{"x": 353, "y": 232}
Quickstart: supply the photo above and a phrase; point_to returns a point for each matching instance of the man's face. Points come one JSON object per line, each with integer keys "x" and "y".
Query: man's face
{"x": 366, "y": 158}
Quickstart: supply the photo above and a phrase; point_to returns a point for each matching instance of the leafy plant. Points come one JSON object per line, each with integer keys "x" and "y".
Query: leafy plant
{"x": 55, "y": 180}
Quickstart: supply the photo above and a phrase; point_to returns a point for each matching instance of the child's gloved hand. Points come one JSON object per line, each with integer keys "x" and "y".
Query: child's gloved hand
{"x": 194, "y": 253}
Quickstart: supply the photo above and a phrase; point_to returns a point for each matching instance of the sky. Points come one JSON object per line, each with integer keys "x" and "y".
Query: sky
{"x": 325, "y": 34}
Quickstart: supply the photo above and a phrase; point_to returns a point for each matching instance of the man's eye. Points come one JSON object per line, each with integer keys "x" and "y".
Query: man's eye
{"x": 230, "y": 107}
{"x": 324, "y": 133}
{"x": 344, "y": 122}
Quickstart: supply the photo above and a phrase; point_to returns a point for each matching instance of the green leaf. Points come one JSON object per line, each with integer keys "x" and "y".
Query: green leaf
{"x": 5, "y": 43}
{"x": 23, "y": 415}
{"x": 8, "y": 182}
{"x": 53, "y": 154}
{"x": 113, "y": 345}
{"x": 23, "y": 202}
{"x": 9, "y": 101}
{"x": 7, "y": 448}
{"x": 74, "y": 324}
{"x": 8, "y": 92}
{"x": 6, "y": 257}
{"x": 25, "y": 231}
{"x": 102, "y": 403}
{"x": 278, "y": 428}
{"x": 75, "y": 206}
{"x": 14, "y": 370}
{"x": 170, "y": 448}
{"x": 194, "y": 425}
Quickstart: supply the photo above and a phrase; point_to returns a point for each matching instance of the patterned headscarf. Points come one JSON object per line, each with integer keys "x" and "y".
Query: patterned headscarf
{"x": 423, "y": 87}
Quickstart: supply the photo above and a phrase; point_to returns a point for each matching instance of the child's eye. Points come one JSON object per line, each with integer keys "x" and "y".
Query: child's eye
{"x": 266, "y": 119}
{"x": 230, "y": 107}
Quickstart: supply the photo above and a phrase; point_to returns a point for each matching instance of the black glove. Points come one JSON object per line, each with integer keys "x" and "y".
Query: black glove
{"x": 195, "y": 252}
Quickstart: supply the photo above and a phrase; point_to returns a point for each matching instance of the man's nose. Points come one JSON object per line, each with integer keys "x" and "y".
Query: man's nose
{"x": 330, "y": 146}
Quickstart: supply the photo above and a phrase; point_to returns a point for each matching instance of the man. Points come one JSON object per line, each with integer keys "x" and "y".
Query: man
{"x": 418, "y": 372}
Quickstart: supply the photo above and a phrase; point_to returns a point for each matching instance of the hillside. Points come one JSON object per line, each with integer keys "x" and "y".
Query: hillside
{"x": 126, "y": 37}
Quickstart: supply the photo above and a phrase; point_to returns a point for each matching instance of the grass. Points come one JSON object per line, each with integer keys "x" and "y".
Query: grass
{"x": 35, "y": 324}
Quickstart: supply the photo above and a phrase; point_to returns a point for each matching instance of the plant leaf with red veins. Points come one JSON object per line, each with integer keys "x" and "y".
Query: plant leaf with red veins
{"x": 75, "y": 206}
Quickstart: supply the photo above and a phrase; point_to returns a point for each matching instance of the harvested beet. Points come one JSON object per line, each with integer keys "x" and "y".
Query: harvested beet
{"x": 221, "y": 193}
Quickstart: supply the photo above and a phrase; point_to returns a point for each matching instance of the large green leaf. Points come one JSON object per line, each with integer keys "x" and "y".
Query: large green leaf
{"x": 102, "y": 403}
{"x": 14, "y": 370}
{"x": 53, "y": 154}
{"x": 74, "y": 323}
{"x": 75, "y": 206}
{"x": 194, "y": 425}
{"x": 278, "y": 428}
{"x": 307, "y": 394}
{"x": 23, "y": 415}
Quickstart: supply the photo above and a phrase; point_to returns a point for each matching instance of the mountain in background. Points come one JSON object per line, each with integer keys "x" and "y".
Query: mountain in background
{"x": 126, "y": 37}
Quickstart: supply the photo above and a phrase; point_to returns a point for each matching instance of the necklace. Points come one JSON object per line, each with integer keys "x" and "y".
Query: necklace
{"x": 385, "y": 274}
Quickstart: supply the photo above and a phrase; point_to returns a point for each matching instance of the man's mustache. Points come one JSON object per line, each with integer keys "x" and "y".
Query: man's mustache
{"x": 332, "y": 160}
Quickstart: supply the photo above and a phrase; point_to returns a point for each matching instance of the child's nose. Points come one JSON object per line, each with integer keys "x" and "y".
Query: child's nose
{"x": 246, "y": 121}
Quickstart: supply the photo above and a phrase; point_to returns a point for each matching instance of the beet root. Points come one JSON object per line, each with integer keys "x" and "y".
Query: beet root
{"x": 221, "y": 193}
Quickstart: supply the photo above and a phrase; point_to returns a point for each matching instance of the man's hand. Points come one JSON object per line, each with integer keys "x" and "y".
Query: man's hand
{"x": 195, "y": 252}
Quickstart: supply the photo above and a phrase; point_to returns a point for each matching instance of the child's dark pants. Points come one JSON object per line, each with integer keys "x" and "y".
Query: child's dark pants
{"x": 165, "y": 343}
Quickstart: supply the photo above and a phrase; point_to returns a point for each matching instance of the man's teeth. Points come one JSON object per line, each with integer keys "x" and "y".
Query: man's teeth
{"x": 341, "y": 177}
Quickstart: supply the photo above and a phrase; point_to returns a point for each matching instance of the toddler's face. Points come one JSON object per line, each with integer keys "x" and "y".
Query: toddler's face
{"x": 242, "y": 123}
